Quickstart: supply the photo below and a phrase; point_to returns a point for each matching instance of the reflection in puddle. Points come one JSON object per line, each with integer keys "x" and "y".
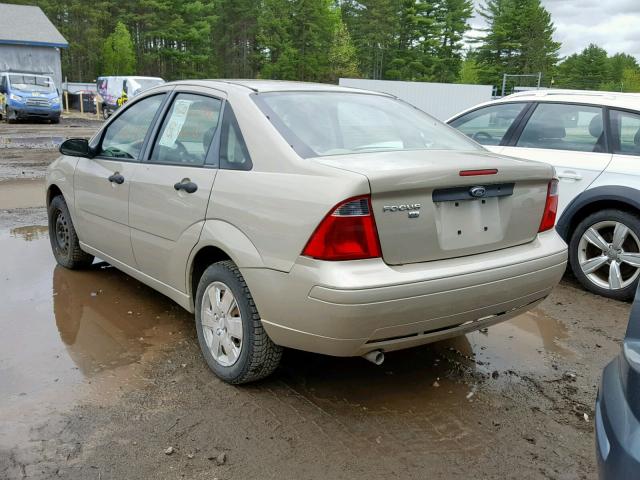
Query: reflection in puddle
{"x": 22, "y": 193}
{"x": 30, "y": 232}
{"x": 63, "y": 330}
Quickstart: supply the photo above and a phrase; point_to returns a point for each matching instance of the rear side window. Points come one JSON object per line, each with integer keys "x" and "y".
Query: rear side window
{"x": 489, "y": 125}
{"x": 234, "y": 154}
{"x": 559, "y": 126}
{"x": 625, "y": 128}
{"x": 125, "y": 136}
{"x": 187, "y": 131}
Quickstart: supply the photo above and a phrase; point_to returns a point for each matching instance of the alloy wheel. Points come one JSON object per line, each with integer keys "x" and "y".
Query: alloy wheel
{"x": 221, "y": 323}
{"x": 609, "y": 255}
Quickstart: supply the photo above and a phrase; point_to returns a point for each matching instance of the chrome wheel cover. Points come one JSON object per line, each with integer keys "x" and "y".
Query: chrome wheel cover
{"x": 609, "y": 255}
{"x": 221, "y": 324}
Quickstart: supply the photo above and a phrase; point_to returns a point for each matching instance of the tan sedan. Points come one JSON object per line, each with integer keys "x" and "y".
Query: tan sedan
{"x": 309, "y": 216}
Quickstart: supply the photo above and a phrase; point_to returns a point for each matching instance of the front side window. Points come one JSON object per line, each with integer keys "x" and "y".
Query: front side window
{"x": 125, "y": 136}
{"x": 489, "y": 125}
{"x": 559, "y": 126}
{"x": 625, "y": 128}
{"x": 187, "y": 131}
{"x": 332, "y": 123}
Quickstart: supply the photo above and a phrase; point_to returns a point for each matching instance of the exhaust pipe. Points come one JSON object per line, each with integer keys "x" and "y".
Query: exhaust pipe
{"x": 377, "y": 357}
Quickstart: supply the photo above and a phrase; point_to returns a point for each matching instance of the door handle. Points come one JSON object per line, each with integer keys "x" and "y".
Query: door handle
{"x": 116, "y": 178}
{"x": 570, "y": 175}
{"x": 186, "y": 185}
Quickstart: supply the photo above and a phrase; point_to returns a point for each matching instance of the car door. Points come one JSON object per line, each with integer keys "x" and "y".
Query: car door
{"x": 491, "y": 125}
{"x": 570, "y": 137}
{"x": 102, "y": 183}
{"x": 171, "y": 187}
{"x": 625, "y": 144}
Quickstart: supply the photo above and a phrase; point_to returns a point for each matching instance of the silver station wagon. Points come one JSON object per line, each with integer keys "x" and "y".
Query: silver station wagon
{"x": 309, "y": 216}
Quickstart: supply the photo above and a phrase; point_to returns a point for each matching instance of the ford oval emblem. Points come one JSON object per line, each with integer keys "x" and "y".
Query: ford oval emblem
{"x": 478, "y": 192}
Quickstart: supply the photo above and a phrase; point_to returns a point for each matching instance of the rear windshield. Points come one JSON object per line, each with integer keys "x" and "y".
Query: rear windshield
{"x": 330, "y": 123}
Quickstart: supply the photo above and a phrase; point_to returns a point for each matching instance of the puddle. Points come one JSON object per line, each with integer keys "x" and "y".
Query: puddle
{"x": 436, "y": 396}
{"x": 22, "y": 193}
{"x": 71, "y": 335}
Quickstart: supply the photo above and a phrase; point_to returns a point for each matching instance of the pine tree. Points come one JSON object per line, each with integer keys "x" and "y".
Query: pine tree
{"x": 588, "y": 70}
{"x": 519, "y": 40}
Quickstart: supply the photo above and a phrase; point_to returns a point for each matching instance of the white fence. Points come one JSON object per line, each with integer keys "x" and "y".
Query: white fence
{"x": 441, "y": 100}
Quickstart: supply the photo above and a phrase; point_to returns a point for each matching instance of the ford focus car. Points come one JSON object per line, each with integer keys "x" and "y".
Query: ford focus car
{"x": 308, "y": 216}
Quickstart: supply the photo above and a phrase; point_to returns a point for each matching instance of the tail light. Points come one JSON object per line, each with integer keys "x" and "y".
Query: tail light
{"x": 348, "y": 232}
{"x": 550, "y": 207}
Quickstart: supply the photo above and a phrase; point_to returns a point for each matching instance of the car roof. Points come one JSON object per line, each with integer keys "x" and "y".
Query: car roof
{"x": 273, "y": 86}
{"x": 610, "y": 99}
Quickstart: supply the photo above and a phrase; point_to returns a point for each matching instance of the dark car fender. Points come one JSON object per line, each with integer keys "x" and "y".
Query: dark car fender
{"x": 592, "y": 200}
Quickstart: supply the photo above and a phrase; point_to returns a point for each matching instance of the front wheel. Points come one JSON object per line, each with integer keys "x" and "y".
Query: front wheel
{"x": 604, "y": 253}
{"x": 63, "y": 237}
{"x": 232, "y": 339}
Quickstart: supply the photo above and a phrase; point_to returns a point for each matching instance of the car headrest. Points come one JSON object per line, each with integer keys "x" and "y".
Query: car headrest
{"x": 552, "y": 132}
{"x": 595, "y": 126}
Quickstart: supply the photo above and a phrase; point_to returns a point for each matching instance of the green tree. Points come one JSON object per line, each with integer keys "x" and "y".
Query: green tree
{"x": 374, "y": 29}
{"x": 518, "y": 40}
{"x": 588, "y": 70}
{"x": 304, "y": 40}
{"x": 452, "y": 17}
{"x": 118, "y": 56}
{"x": 235, "y": 37}
{"x": 469, "y": 71}
{"x": 630, "y": 80}
{"x": 342, "y": 54}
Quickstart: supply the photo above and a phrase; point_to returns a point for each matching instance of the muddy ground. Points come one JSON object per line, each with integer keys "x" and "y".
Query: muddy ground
{"x": 100, "y": 375}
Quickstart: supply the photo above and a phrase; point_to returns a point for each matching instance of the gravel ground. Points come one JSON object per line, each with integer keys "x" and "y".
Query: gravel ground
{"x": 102, "y": 379}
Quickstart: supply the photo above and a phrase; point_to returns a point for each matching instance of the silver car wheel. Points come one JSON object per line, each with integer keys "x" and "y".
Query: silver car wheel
{"x": 609, "y": 255}
{"x": 221, "y": 323}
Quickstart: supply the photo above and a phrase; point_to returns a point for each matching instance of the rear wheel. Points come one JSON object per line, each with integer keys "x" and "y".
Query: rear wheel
{"x": 604, "y": 253}
{"x": 63, "y": 237}
{"x": 232, "y": 339}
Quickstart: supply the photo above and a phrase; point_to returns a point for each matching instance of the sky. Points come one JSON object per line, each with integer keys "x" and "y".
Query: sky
{"x": 612, "y": 24}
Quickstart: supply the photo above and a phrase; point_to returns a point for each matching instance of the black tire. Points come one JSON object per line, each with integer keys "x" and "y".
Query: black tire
{"x": 259, "y": 356}
{"x": 12, "y": 117}
{"x": 55, "y": 120}
{"x": 63, "y": 237}
{"x": 632, "y": 221}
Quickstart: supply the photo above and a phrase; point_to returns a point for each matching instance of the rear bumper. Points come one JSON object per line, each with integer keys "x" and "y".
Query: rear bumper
{"x": 617, "y": 428}
{"x": 351, "y": 308}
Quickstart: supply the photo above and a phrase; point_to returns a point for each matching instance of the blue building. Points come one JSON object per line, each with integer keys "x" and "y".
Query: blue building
{"x": 29, "y": 42}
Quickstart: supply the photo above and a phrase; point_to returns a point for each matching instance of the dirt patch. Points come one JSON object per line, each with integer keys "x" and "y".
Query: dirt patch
{"x": 22, "y": 193}
{"x": 100, "y": 375}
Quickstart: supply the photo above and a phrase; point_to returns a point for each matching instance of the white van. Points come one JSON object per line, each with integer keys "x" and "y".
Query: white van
{"x": 115, "y": 91}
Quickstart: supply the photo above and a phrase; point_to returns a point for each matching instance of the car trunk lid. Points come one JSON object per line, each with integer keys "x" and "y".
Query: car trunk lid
{"x": 425, "y": 208}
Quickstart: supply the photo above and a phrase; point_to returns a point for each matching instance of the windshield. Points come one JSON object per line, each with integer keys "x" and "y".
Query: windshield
{"x": 33, "y": 83}
{"x": 327, "y": 123}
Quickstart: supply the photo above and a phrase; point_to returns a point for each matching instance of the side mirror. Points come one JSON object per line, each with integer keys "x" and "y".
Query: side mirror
{"x": 77, "y": 147}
